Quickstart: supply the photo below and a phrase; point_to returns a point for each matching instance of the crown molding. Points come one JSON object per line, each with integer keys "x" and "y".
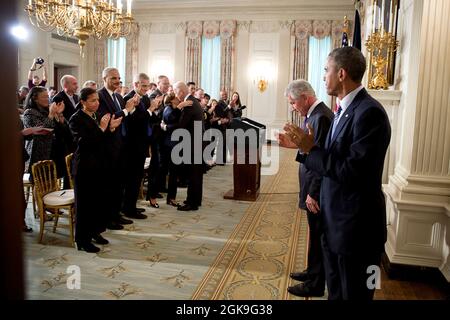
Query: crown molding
{"x": 245, "y": 13}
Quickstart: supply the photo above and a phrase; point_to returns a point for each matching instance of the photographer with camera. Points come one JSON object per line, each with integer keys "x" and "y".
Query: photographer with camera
{"x": 34, "y": 80}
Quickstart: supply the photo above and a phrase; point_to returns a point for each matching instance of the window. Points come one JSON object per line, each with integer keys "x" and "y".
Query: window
{"x": 117, "y": 56}
{"x": 210, "y": 77}
{"x": 318, "y": 53}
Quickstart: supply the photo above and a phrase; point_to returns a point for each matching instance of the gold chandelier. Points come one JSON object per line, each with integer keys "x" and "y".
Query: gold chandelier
{"x": 81, "y": 18}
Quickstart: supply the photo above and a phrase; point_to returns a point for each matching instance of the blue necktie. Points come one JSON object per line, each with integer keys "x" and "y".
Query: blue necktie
{"x": 305, "y": 122}
{"x": 336, "y": 120}
{"x": 122, "y": 125}
{"x": 116, "y": 103}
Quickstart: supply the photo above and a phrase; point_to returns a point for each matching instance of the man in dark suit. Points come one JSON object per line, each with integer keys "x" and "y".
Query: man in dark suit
{"x": 351, "y": 198}
{"x": 113, "y": 103}
{"x": 69, "y": 85}
{"x": 303, "y": 99}
{"x": 223, "y": 112}
{"x": 136, "y": 143}
{"x": 191, "y": 118}
{"x": 157, "y": 171}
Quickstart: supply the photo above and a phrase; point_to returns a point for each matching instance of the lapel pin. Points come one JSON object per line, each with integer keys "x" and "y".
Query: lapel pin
{"x": 346, "y": 115}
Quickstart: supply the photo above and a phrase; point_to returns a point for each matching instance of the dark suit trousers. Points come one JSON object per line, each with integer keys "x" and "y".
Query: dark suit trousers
{"x": 153, "y": 171}
{"x": 90, "y": 210}
{"x": 172, "y": 170}
{"x": 315, "y": 270}
{"x": 347, "y": 274}
{"x": 133, "y": 178}
{"x": 195, "y": 185}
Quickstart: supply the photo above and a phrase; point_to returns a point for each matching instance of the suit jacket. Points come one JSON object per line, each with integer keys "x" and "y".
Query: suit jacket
{"x": 352, "y": 201}
{"x": 138, "y": 125}
{"x": 190, "y": 118}
{"x": 107, "y": 105}
{"x": 156, "y": 121}
{"x": 171, "y": 118}
{"x": 310, "y": 181}
{"x": 69, "y": 108}
{"x": 90, "y": 157}
{"x": 222, "y": 111}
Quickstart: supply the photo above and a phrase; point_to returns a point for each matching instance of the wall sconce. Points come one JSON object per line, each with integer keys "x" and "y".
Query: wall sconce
{"x": 262, "y": 72}
{"x": 262, "y": 84}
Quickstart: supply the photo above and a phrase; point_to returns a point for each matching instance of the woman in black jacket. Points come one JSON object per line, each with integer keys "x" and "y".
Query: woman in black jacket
{"x": 171, "y": 118}
{"x": 89, "y": 169}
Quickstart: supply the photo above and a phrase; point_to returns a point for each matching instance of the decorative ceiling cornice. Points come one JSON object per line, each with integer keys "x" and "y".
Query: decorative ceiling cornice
{"x": 249, "y": 10}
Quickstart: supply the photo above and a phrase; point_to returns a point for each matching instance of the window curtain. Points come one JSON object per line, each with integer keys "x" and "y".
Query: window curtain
{"x": 227, "y": 35}
{"x": 100, "y": 60}
{"x": 302, "y": 30}
{"x": 193, "y": 52}
{"x": 211, "y": 57}
{"x": 132, "y": 55}
{"x": 117, "y": 54}
{"x": 319, "y": 49}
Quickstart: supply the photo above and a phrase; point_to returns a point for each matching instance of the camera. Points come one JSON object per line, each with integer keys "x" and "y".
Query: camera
{"x": 39, "y": 60}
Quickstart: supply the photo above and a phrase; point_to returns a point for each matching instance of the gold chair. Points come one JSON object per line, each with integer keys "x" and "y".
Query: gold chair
{"x": 50, "y": 198}
{"x": 29, "y": 189}
{"x": 69, "y": 169}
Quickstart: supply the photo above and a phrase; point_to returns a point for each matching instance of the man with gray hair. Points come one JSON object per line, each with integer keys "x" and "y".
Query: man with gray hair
{"x": 69, "y": 85}
{"x": 136, "y": 144}
{"x": 90, "y": 84}
{"x": 189, "y": 117}
{"x": 351, "y": 162}
{"x": 113, "y": 104}
{"x": 317, "y": 115}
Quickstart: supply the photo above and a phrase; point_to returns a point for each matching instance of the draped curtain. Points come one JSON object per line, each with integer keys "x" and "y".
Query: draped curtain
{"x": 302, "y": 30}
{"x": 100, "y": 60}
{"x": 194, "y": 52}
{"x": 132, "y": 55}
{"x": 209, "y": 29}
{"x": 227, "y": 35}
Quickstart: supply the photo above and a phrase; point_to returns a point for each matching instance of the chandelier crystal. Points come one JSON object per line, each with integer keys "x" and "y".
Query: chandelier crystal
{"x": 81, "y": 18}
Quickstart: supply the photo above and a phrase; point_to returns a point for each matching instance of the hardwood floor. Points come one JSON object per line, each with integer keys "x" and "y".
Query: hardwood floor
{"x": 411, "y": 283}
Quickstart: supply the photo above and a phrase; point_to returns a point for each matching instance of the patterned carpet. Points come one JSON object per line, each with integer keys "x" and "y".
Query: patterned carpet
{"x": 265, "y": 247}
{"x": 226, "y": 250}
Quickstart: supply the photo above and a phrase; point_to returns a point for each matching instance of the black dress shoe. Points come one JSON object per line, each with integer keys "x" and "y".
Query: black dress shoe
{"x": 172, "y": 203}
{"x": 187, "y": 207}
{"x": 123, "y": 220}
{"x": 299, "y": 276}
{"x": 27, "y": 229}
{"x": 99, "y": 239}
{"x": 114, "y": 226}
{"x": 88, "y": 247}
{"x": 301, "y": 290}
{"x": 140, "y": 210}
{"x": 136, "y": 215}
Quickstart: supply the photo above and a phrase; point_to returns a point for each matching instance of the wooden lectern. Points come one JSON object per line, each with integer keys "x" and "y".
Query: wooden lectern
{"x": 246, "y": 174}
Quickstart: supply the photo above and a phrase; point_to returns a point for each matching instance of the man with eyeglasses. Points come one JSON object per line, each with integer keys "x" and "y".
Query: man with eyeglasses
{"x": 136, "y": 143}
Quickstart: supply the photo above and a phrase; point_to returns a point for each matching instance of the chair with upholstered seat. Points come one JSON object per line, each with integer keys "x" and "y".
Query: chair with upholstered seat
{"x": 69, "y": 169}
{"x": 50, "y": 198}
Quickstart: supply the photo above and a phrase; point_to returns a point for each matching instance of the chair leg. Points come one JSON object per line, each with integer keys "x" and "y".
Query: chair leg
{"x": 42, "y": 221}
{"x": 56, "y": 220}
{"x": 71, "y": 224}
{"x": 36, "y": 214}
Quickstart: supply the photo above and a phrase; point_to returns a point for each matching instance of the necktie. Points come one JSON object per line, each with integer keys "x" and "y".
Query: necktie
{"x": 116, "y": 103}
{"x": 74, "y": 103}
{"x": 305, "y": 122}
{"x": 336, "y": 120}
